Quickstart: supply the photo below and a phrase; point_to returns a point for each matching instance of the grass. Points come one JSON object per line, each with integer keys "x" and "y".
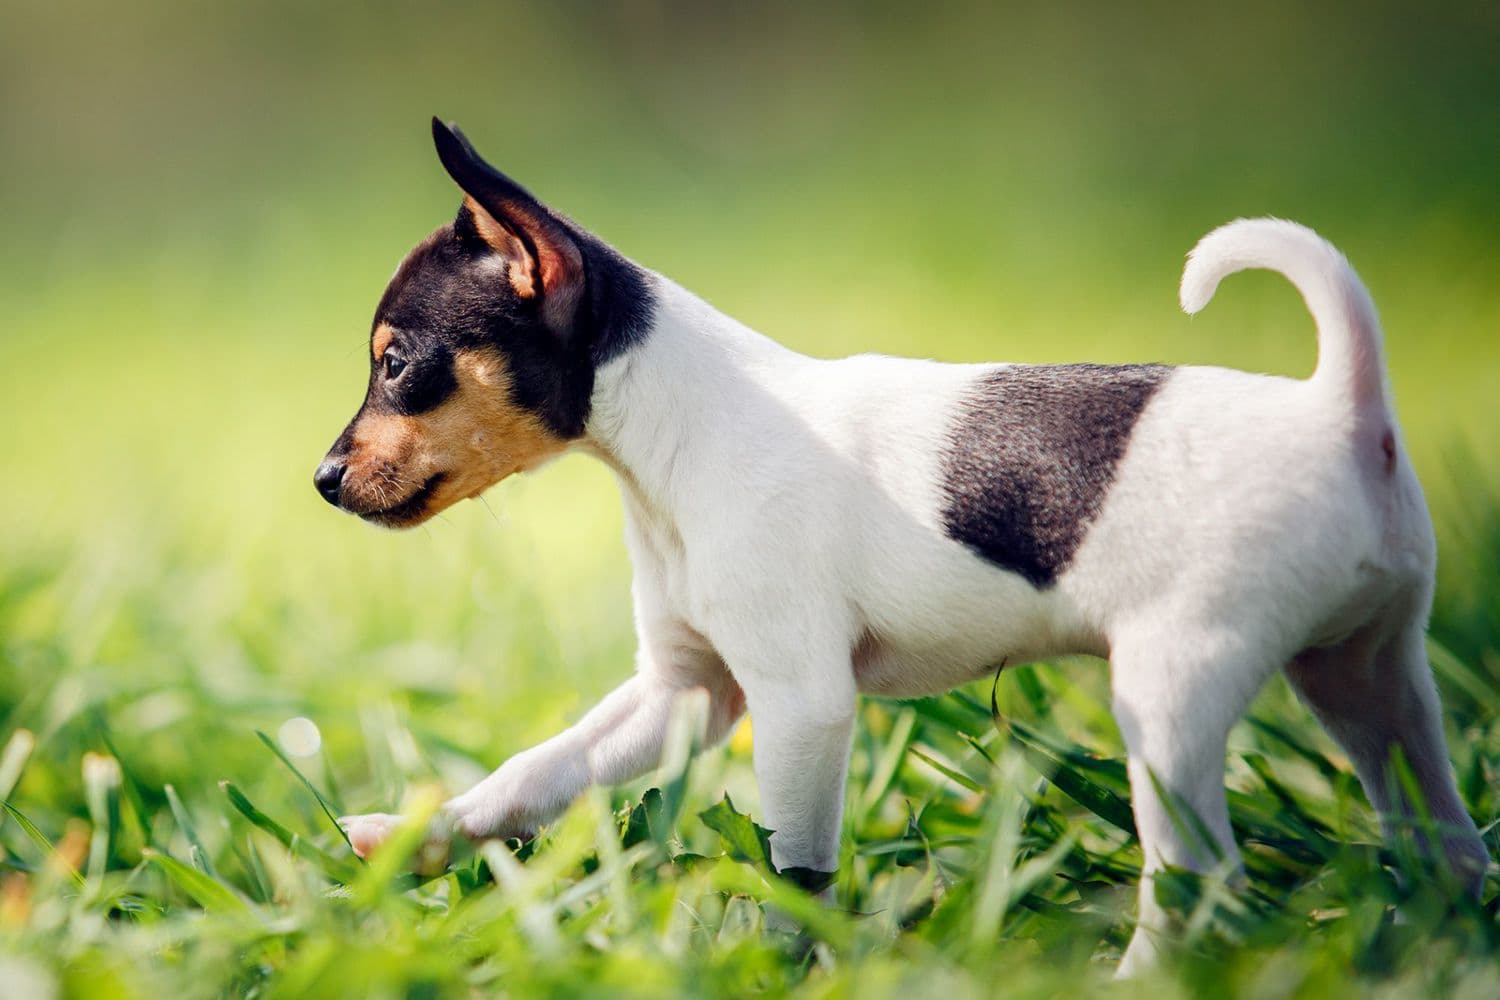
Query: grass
{"x": 156, "y": 843}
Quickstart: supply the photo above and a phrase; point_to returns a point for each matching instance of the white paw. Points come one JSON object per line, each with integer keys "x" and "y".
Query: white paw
{"x": 479, "y": 814}
{"x": 474, "y": 815}
{"x": 369, "y": 831}
{"x": 493, "y": 809}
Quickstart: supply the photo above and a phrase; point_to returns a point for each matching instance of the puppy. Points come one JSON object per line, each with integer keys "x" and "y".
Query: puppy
{"x": 805, "y": 530}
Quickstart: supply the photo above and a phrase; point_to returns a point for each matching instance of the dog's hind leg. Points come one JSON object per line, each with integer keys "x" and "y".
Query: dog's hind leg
{"x": 1375, "y": 696}
{"x": 1176, "y": 693}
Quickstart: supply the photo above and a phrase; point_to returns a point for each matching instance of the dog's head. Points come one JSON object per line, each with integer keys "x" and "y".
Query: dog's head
{"x": 482, "y": 351}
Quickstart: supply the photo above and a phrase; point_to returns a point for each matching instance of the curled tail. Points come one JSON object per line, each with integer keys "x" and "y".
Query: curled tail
{"x": 1350, "y": 360}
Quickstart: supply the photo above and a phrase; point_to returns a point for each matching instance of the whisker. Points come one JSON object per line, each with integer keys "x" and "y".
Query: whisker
{"x": 486, "y": 504}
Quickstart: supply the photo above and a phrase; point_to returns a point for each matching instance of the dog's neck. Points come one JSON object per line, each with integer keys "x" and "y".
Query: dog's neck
{"x": 692, "y": 385}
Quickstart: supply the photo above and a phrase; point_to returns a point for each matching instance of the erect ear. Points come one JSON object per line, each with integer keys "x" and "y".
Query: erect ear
{"x": 543, "y": 260}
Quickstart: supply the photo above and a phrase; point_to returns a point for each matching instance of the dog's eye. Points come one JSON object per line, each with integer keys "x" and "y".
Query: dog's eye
{"x": 394, "y": 365}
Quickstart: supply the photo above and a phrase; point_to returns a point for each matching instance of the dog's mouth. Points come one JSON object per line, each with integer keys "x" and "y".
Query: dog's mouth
{"x": 408, "y": 512}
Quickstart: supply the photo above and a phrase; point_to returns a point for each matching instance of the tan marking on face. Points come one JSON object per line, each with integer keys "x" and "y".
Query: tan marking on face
{"x": 477, "y": 437}
{"x": 380, "y": 340}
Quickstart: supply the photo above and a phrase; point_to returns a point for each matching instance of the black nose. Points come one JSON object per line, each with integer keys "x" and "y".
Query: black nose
{"x": 329, "y": 479}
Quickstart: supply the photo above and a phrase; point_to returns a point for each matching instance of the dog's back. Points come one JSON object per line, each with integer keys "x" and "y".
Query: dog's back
{"x": 1092, "y": 501}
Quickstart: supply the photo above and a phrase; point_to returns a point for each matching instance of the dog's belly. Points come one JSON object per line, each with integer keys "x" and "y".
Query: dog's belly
{"x": 933, "y": 615}
{"x": 890, "y": 671}
{"x": 944, "y": 636}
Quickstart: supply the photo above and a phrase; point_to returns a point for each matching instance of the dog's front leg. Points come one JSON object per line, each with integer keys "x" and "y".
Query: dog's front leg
{"x": 802, "y": 735}
{"x": 619, "y": 739}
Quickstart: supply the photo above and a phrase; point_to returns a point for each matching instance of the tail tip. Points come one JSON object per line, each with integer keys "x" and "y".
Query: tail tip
{"x": 1198, "y": 286}
{"x": 1210, "y": 261}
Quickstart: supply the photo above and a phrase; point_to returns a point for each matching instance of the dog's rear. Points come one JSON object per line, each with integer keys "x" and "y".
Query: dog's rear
{"x": 1351, "y": 369}
{"x": 1346, "y": 594}
{"x": 1374, "y": 689}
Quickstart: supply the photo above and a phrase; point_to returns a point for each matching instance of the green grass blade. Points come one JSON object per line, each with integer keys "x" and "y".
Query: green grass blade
{"x": 1076, "y": 785}
{"x": 946, "y": 771}
{"x": 1464, "y": 676}
{"x": 40, "y": 839}
{"x": 889, "y": 761}
{"x": 254, "y": 868}
{"x": 1034, "y": 691}
{"x": 101, "y": 785}
{"x": 1110, "y": 770}
{"x": 1325, "y": 767}
{"x": 199, "y": 854}
{"x": 334, "y": 868}
{"x": 327, "y": 807}
{"x": 979, "y": 748}
{"x": 1290, "y": 807}
{"x": 955, "y": 711}
{"x": 133, "y": 789}
{"x": 13, "y": 761}
{"x": 209, "y": 893}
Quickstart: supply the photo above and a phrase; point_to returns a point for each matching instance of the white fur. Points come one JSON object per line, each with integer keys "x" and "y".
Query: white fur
{"x": 784, "y": 520}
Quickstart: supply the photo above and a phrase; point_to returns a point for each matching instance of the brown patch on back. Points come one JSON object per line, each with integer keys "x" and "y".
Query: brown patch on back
{"x": 380, "y": 340}
{"x": 477, "y": 437}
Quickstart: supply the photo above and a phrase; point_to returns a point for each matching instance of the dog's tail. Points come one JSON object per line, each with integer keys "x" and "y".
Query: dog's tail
{"x": 1350, "y": 361}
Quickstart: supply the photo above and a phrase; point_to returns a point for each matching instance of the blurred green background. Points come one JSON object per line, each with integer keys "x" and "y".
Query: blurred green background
{"x": 202, "y": 203}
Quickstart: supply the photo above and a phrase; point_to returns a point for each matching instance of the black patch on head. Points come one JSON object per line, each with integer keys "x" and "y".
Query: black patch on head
{"x": 1031, "y": 458}
{"x": 452, "y": 294}
{"x": 426, "y": 382}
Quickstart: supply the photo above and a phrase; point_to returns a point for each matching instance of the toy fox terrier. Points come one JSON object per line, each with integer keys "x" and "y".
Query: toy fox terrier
{"x": 803, "y": 530}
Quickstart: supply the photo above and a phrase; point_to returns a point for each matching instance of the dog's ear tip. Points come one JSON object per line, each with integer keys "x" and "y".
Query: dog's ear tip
{"x": 476, "y": 176}
{"x": 448, "y": 134}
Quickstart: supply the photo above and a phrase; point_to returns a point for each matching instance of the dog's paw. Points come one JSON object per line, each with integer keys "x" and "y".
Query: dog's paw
{"x": 482, "y": 814}
{"x": 368, "y": 832}
{"x": 473, "y": 816}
